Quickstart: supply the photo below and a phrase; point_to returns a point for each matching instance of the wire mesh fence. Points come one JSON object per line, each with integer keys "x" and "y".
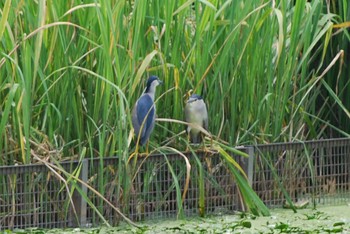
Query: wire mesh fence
{"x": 159, "y": 186}
{"x": 32, "y": 195}
{"x": 316, "y": 171}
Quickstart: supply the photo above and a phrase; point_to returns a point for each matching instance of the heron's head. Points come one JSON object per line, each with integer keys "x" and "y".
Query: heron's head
{"x": 194, "y": 98}
{"x": 152, "y": 83}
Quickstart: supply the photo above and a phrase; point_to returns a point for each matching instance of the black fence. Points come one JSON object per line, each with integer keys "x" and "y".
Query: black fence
{"x": 158, "y": 186}
{"x": 318, "y": 171}
{"x": 40, "y": 196}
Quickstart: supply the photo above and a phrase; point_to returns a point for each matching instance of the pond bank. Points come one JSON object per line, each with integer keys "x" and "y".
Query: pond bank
{"x": 330, "y": 219}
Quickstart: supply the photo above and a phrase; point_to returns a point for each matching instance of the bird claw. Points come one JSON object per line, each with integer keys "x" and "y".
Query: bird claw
{"x": 207, "y": 150}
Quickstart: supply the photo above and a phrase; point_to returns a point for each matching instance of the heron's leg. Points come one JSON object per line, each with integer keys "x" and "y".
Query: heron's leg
{"x": 145, "y": 154}
{"x": 136, "y": 152}
{"x": 188, "y": 141}
{"x": 147, "y": 144}
{"x": 205, "y": 148}
{"x": 133, "y": 154}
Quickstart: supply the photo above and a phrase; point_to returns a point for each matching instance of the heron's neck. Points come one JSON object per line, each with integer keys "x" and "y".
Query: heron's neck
{"x": 151, "y": 91}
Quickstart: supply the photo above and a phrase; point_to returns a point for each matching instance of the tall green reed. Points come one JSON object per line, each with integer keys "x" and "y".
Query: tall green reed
{"x": 252, "y": 61}
{"x": 336, "y": 82}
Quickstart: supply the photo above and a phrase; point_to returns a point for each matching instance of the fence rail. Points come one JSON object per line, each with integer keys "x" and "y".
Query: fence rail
{"x": 33, "y": 195}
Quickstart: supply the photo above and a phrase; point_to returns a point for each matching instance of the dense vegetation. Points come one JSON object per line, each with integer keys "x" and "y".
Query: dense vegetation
{"x": 71, "y": 71}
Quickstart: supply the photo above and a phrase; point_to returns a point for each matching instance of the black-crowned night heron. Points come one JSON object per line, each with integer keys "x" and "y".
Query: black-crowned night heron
{"x": 144, "y": 112}
{"x": 196, "y": 113}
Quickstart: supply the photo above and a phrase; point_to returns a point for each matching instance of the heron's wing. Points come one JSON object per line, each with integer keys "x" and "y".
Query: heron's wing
{"x": 205, "y": 120}
{"x": 187, "y": 113}
{"x": 145, "y": 110}
{"x": 205, "y": 123}
{"x": 149, "y": 128}
{"x": 135, "y": 120}
{"x": 187, "y": 117}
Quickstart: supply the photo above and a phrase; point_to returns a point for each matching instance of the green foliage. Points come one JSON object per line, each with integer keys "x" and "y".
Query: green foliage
{"x": 79, "y": 68}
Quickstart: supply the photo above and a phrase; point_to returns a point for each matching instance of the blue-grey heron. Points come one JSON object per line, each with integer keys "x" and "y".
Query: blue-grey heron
{"x": 144, "y": 112}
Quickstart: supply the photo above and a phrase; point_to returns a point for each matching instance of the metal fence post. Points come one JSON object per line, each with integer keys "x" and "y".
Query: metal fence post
{"x": 251, "y": 160}
{"x": 78, "y": 200}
